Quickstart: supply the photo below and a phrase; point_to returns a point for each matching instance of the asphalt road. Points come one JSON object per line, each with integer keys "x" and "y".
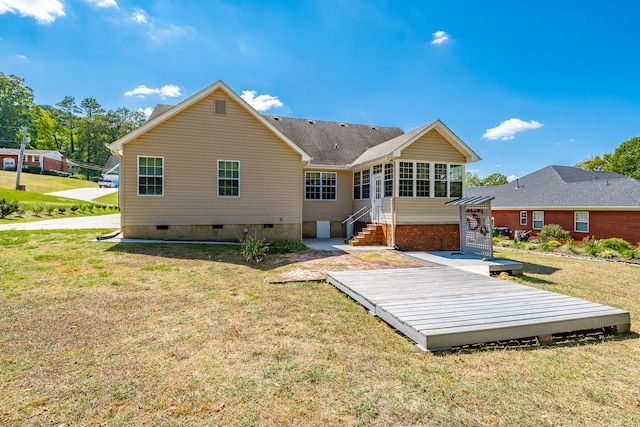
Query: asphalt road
{"x": 86, "y": 194}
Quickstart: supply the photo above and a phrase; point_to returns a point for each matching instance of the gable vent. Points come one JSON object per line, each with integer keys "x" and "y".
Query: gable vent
{"x": 220, "y": 106}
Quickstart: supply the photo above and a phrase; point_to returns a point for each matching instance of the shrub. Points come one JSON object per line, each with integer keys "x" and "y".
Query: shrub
{"x": 550, "y": 245}
{"x": 615, "y": 243}
{"x": 608, "y": 254}
{"x": 7, "y": 207}
{"x": 50, "y": 209}
{"x": 287, "y": 246}
{"x": 254, "y": 249}
{"x": 62, "y": 210}
{"x": 74, "y": 208}
{"x": 37, "y": 209}
{"x": 590, "y": 244}
{"x": 553, "y": 232}
{"x": 32, "y": 169}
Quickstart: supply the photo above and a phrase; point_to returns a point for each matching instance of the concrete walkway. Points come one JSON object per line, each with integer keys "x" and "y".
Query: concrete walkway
{"x": 338, "y": 245}
{"x": 86, "y": 194}
{"x": 111, "y": 221}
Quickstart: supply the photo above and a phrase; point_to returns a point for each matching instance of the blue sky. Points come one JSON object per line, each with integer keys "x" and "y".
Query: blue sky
{"x": 524, "y": 84}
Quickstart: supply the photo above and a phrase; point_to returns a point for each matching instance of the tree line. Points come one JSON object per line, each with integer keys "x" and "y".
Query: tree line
{"x": 80, "y": 130}
{"x": 624, "y": 160}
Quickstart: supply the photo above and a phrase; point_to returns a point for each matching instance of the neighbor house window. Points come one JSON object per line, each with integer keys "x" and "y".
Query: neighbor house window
{"x": 228, "y": 178}
{"x": 36, "y": 158}
{"x": 581, "y": 222}
{"x": 321, "y": 185}
{"x": 523, "y": 217}
{"x": 388, "y": 180}
{"x": 538, "y": 220}
{"x": 150, "y": 176}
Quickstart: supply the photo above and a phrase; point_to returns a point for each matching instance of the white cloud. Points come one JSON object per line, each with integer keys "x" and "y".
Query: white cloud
{"x": 140, "y": 16}
{"x": 166, "y": 91}
{"x": 147, "y": 111}
{"x": 511, "y": 178}
{"x": 507, "y": 129}
{"x": 43, "y": 11}
{"x": 22, "y": 57}
{"x": 440, "y": 37}
{"x": 104, "y": 3}
{"x": 260, "y": 102}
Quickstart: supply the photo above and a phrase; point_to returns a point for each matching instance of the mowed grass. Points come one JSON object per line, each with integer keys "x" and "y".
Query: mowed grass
{"x": 130, "y": 334}
{"x": 107, "y": 199}
{"x": 42, "y": 183}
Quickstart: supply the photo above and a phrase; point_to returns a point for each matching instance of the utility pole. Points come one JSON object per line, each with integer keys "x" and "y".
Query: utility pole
{"x": 23, "y": 145}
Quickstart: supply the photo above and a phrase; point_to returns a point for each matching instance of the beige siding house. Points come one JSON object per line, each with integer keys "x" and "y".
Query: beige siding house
{"x": 213, "y": 168}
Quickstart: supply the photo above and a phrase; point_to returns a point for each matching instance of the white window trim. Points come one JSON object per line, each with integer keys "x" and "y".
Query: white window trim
{"x": 523, "y": 217}
{"x": 575, "y": 221}
{"x": 218, "y": 179}
{"x": 432, "y": 180}
{"x": 533, "y": 220}
{"x": 138, "y": 175}
{"x": 321, "y": 199}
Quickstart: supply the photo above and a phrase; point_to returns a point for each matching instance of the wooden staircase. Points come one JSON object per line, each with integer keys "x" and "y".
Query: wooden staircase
{"x": 372, "y": 234}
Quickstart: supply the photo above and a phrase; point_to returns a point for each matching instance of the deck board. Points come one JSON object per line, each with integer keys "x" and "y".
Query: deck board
{"x": 443, "y": 307}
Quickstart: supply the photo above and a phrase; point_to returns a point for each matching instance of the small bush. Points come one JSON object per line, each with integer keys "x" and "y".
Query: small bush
{"x": 32, "y": 169}
{"x": 590, "y": 244}
{"x": 615, "y": 243}
{"x": 37, "y": 209}
{"x": 62, "y": 210}
{"x": 50, "y": 209}
{"x": 74, "y": 208}
{"x": 553, "y": 232}
{"x": 550, "y": 245}
{"x": 254, "y": 249}
{"x": 7, "y": 207}
{"x": 608, "y": 254}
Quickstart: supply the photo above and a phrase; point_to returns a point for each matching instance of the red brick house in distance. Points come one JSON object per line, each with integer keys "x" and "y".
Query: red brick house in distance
{"x": 585, "y": 203}
{"x": 46, "y": 160}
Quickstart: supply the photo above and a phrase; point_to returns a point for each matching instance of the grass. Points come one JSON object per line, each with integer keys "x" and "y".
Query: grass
{"x": 42, "y": 183}
{"x": 129, "y": 334}
{"x": 108, "y": 199}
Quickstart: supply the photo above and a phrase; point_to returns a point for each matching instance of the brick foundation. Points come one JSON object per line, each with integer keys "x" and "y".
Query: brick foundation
{"x": 425, "y": 237}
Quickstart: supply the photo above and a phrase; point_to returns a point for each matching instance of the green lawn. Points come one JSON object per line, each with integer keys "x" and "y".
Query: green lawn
{"x": 42, "y": 183}
{"x": 109, "y": 199}
{"x": 124, "y": 334}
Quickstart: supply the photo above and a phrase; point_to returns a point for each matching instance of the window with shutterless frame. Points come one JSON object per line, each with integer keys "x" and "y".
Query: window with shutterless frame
{"x": 523, "y": 217}
{"x": 581, "y": 221}
{"x": 320, "y": 185}
{"x": 150, "y": 176}
{"x": 228, "y": 178}
{"x": 538, "y": 220}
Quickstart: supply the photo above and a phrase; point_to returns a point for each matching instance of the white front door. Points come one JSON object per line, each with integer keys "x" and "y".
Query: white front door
{"x": 376, "y": 200}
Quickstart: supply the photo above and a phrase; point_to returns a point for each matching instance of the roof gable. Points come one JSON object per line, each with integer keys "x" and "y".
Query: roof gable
{"x": 395, "y": 146}
{"x": 166, "y": 112}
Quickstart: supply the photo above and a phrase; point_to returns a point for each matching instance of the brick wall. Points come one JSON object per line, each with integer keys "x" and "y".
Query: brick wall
{"x": 54, "y": 165}
{"x": 425, "y": 237}
{"x": 602, "y": 224}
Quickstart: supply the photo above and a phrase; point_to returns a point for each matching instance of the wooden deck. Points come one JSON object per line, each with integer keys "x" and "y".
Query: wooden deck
{"x": 443, "y": 307}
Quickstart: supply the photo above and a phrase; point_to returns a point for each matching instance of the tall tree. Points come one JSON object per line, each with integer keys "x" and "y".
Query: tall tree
{"x": 595, "y": 163}
{"x": 45, "y": 130}
{"x": 92, "y": 110}
{"x": 494, "y": 179}
{"x": 16, "y": 102}
{"x": 70, "y": 109}
{"x": 626, "y": 158}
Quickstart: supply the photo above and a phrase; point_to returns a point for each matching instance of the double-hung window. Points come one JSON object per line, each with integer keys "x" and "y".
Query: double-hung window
{"x": 405, "y": 180}
{"x": 538, "y": 220}
{"x": 150, "y": 176}
{"x": 366, "y": 188}
{"x": 523, "y": 217}
{"x": 228, "y": 178}
{"x": 455, "y": 180}
{"x": 440, "y": 179}
{"x": 581, "y": 222}
{"x": 388, "y": 180}
{"x": 320, "y": 185}
{"x": 357, "y": 185}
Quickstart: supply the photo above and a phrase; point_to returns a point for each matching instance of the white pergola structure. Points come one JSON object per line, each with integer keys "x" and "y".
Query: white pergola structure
{"x": 476, "y": 228}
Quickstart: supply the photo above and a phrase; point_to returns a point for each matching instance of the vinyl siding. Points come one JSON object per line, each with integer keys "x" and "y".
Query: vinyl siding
{"x": 426, "y": 211}
{"x": 433, "y": 147}
{"x": 331, "y": 210}
{"x": 191, "y": 143}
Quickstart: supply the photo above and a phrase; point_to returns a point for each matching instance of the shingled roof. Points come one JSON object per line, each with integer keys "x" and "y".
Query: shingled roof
{"x": 564, "y": 187}
{"x": 333, "y": 143}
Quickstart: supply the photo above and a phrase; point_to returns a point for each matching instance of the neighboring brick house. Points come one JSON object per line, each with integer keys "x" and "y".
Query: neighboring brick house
{"x": 44, "y": 159}
{"x": 585, "y": 203}
{"x": 213, "y": 168}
